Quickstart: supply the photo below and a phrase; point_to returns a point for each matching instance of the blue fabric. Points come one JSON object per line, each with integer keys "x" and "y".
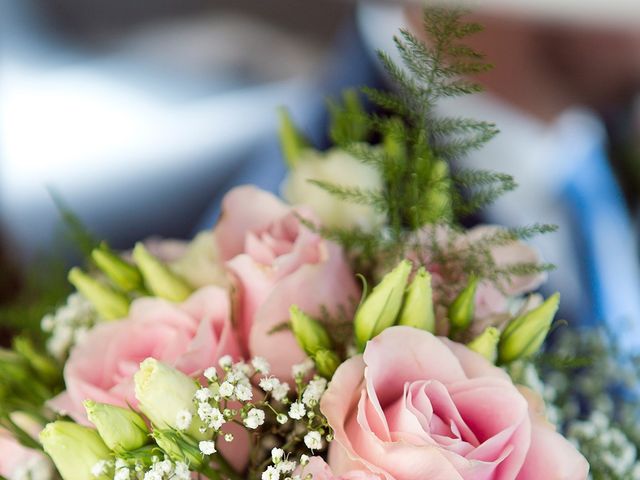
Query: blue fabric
{"x": 606, "y": 247}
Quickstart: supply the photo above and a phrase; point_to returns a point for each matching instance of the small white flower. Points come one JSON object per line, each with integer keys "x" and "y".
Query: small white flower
{"x": 281, "y": 418}
{"x": 183, "y": 419}
{"x": 207, "y": 447}
{"x": 314, "y": 391}
{"x": 164, "y": 466}
{"x": 276, "y": 455}
{"x": 287, "y": 466}
{"x": 203, "y": 394}
{"x": 226, "y": 389}
{"x": 216, "y": 419}
{"x": 255, "y": 418}
{"x": 100, "y": 468}
{"x": 301, "y": 369}
{"x": 297, "y": 410}
{"x": 122, "y": 474}
{"x": 225, "y": 361}
{"x": 304, "y": 460}
{"x": 313, "y": 440}
{"x": 261, "y": 365}
{"x": 228, "y": 437}
{"x": 243, "y": 392}
{"x": 268, "y": 383}
{"x": 152, "y": 475}
{"x": 280, "y": 391}
{"x": 181, "y": 471}
{"x": 271, "y": 473}
{"x": 205, "y": 410}
{"x": 211, "y": 374}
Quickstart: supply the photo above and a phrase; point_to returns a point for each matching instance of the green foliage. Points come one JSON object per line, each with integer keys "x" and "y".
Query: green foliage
{"x": 416, "y": 153}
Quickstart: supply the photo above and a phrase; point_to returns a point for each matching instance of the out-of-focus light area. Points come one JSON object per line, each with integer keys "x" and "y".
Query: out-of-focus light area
{"x": 133, "y": 112}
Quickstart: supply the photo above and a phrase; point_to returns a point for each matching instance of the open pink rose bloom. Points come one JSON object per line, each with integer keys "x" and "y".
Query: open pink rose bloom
{"x": 278, "y": 262}
{"x": 415, "y": 406}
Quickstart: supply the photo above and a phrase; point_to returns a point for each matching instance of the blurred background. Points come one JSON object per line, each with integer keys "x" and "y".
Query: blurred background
{"x": 139, "y": 114}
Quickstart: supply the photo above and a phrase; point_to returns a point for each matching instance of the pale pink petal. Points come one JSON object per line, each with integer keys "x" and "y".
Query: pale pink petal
{"x": 552, "y": 457}
{"x": 245, "y": 209}
{"x": 405, "y": 354}
{"x": 328, "y": 285}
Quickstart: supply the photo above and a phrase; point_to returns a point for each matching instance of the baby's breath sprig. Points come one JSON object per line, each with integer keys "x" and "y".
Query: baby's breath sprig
{"x": 283, "y": 419}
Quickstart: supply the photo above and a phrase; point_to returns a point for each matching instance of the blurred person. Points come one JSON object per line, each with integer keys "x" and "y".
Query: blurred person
{"x": 553, "y": 83}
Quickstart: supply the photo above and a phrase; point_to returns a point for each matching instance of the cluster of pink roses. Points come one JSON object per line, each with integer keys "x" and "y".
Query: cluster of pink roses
{"x": 412, "y": 406}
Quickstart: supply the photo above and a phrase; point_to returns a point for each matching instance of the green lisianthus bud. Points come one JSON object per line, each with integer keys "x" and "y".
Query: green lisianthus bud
{"x": 486, "y": 344}
{"x": 123, "y": 274}
{"x": 462, "y": 309}
{"x": 525, "y": 334}
{"x": 380, "y": 309}
{"x": 179, "y": 448}
{"x": 109, "y": 304}
{"x": 327, "y": 362}
{"x": 163, "y": 392}
{"x": 417, "y": 310}
{"x": 292, "y": 141}
{"x": 121, "y": 429}
{"x": 309, "y": 333}
{"x": 75, "y": 450}
{"x": 158, "y": 278}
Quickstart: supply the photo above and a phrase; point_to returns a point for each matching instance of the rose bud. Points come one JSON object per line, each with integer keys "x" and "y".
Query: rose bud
{"x": 163, "y": 393}
{"x": 75, "y": 449}
{"x": 486, "y": 344}
{"x": 462, "y": 308}
{"x": 158, "y": 279}
{"x": 525, "y": 334}
{"x": 121, "y": 273}
{"x": 309, "y": 333}
{"x": 109, "y": 304}
{"x": 380, "y": 309}
{"x": 417, "y": 310}
{"x": 120, "y": 428}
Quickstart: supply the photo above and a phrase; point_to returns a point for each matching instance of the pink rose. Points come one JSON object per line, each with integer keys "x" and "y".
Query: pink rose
{"x": 190, "y": 336}
{"x": 415, "y": 406}
{"x": 319, "y": 470}
{"x": 278, "y": 262}
{"x": 493, "y": 299}
{"x": 18, "y": 461}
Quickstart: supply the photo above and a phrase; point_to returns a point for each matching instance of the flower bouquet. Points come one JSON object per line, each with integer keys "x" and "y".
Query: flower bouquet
{"x": 353, "y": 330}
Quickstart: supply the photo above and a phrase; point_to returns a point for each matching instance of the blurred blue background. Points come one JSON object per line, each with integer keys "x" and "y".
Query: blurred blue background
{"x": 136, "y": 112}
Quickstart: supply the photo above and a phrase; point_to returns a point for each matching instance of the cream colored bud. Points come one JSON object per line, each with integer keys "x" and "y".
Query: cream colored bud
{"x": 162, "y": 392}
{"x": 339, "y": 168}
{"x": 75, "y": 450}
